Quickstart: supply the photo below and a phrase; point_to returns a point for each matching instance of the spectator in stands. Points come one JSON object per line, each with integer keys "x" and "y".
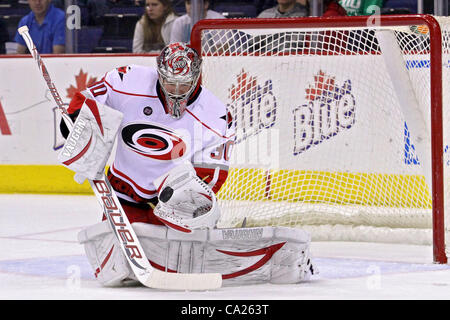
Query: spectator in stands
{"x": 281, "y": 41}
{"x": 47, "y": 28}
{"x": 153, "y": 30}
{"x": 333, "y": 8}
{"x": 262, "y": 5}
{"x": 59, "y": 4}
{"x": 285, "y": 9}
{"x": 330, "y": 8}
{"x": 361, "y": 7}
{"x": 182, "y": 26}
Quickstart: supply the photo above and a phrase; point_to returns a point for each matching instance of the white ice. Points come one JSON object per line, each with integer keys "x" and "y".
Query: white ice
{"x": 41, "y": 259}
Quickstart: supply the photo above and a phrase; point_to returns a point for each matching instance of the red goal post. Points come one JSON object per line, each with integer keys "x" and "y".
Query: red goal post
{"x": 347, "y": 24}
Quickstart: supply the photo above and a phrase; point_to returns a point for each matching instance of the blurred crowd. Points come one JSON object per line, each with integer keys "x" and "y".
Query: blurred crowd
{"x": 142, "y": 26}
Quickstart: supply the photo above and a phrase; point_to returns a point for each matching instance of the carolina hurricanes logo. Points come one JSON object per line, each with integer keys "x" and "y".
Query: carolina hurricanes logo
{"x": 153, "y": 141}
{"x": 179, "y": 65}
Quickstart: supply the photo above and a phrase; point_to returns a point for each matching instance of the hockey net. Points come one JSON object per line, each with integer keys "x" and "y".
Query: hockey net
{"x": 341, "y": 124}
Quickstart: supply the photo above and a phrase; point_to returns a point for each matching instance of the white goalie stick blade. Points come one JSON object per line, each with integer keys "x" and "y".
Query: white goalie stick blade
{"x": 114, "y": 212}
{"x": 183, "y": 281}
{"x": 134, "y": 252}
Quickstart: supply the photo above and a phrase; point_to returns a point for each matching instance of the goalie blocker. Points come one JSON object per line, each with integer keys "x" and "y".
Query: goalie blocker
{"x": 278, "y": 255}
{"x": 90, "y": 142}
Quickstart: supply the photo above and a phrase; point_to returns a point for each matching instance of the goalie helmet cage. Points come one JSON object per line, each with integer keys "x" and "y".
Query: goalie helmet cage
{"x": 339, "y": 124}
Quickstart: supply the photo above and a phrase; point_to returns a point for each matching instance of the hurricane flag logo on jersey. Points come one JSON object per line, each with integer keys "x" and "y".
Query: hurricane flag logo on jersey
{"x": 154, "y": 141}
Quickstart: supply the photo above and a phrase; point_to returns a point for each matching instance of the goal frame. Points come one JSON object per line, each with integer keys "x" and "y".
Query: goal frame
{"x": 436, "y": 87}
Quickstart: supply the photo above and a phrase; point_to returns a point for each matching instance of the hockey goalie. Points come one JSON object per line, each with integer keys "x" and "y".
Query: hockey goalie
{"x": 173, "y": 139}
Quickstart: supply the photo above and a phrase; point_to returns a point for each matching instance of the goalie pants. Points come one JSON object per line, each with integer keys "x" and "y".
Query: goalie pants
{"x": 242, "y": 255}
{"x": 136, "y": 212}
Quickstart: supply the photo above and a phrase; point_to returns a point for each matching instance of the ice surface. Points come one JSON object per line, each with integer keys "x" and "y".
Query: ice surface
{"x": 40, "y": 258}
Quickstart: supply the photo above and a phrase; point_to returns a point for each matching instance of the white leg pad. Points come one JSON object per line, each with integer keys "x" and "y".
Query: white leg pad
{"x": 243, "y": 256}
{"x": 105, "y": 255}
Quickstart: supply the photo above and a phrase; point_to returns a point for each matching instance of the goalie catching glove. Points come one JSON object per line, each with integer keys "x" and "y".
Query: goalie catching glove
{"x": 185, "y": 202}
{"x": 90, "y": 142}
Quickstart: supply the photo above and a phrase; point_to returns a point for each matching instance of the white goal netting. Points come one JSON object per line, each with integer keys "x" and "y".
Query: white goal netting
{"x": 333, "y": 127}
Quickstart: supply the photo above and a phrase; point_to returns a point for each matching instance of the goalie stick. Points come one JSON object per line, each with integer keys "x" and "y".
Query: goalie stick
{"x": 129, "y": 243}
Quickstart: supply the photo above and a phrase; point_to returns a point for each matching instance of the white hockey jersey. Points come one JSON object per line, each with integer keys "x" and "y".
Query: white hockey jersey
{"x": 151, "y": 142}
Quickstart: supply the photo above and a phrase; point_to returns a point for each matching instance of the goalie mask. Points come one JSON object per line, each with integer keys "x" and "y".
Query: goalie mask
{"x": 179, "y": 69}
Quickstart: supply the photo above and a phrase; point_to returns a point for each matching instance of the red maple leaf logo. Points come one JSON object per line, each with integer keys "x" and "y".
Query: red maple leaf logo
{"x": 245, "y": 85}
{"x": 323, "y": 84}
{"x": 82, "y": 84}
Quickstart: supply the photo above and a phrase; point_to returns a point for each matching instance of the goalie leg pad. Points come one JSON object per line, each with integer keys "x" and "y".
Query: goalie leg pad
{"x": 90, "y": 142}
{"x": 243, "y": 256}
{"x": 105, "y": 255}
